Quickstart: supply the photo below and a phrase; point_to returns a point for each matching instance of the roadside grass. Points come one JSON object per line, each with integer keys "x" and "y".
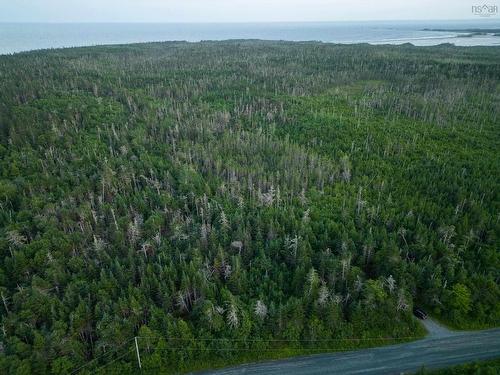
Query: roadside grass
{"x": 255, "y": 355}
{"x": 490, "y": 367}
{"x": 462, "y": 325}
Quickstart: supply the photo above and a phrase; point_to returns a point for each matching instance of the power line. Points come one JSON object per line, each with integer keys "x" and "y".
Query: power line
{"x": 255, "y": 349}
{"x": 114, "y": 360}
{"x": 281, "y": 340}
{"x": 181, "y": 339}
{"x": 99, "y": 357}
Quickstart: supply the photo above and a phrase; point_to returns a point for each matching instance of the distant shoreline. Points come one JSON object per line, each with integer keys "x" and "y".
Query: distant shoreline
{"x": 15, "y": 38}
{"x": 225, "y": 41}
{"x": 472, "y": 32}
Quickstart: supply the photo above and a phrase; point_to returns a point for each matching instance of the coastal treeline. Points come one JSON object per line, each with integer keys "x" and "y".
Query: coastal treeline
{"x": 229, "y": 201}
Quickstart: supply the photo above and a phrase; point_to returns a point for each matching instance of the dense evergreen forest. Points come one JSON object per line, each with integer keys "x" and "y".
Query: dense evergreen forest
{"x": 229, "y": 201}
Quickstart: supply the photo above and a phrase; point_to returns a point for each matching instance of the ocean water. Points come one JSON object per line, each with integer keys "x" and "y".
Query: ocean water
{"x": 18, "y": 37}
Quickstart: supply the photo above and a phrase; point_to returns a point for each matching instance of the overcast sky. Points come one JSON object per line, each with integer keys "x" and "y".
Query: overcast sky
{"x": 234, "y": 10}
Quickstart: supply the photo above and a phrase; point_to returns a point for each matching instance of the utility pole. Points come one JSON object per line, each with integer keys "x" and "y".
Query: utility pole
{"x": 5, "y": 302}
{"x": 137, "y": 351}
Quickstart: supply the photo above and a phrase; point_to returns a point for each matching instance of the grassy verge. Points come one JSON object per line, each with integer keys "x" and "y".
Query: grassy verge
{"x": 253, "y": 355}
{"x": 468, "y": 325}
{"x": 484, "y": 368}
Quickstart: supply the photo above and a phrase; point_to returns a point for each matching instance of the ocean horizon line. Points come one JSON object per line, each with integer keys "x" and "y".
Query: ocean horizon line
{"x": 488, "y": 20}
